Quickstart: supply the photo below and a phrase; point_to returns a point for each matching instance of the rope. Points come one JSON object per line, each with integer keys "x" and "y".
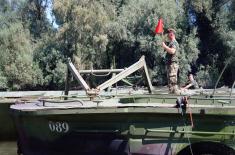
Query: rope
{"x": 99, "y": 75}
{"x": 64, "y": 101}
{"x": 185, "y": 126}
{"x": 190, "y": 112}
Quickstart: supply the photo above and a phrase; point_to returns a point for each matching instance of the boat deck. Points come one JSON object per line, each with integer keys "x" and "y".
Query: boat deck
{"x": 121, "y": 105}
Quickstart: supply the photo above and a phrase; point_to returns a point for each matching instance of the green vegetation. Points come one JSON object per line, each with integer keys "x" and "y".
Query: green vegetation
{"x": 100, "y": 32}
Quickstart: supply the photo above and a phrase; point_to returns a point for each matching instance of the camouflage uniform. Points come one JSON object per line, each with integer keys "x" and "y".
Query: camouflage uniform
{"x": 172, "y": 67}
{"x": 194, "y": 84}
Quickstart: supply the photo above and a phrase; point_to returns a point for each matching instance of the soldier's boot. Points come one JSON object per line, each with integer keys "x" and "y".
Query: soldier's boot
{"x": 174, "y": 89}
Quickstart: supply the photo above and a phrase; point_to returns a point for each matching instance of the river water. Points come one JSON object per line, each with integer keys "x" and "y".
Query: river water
{"x": 8, "y": 148}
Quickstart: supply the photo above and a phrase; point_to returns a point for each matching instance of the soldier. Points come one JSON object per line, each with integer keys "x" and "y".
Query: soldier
{"x": 191, "y": 84}
{"x": 172, "y": 61}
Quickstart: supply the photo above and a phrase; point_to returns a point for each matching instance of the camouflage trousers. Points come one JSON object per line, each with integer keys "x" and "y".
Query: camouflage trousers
{"x": 172, "y": 71}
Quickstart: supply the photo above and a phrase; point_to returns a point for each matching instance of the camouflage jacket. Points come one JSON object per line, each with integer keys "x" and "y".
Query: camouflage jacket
{"x": 173, "y": 58}
{"x": 194, "y": 85}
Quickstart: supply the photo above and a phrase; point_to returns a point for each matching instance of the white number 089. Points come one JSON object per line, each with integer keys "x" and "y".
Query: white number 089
{"x": 60, "y": 127}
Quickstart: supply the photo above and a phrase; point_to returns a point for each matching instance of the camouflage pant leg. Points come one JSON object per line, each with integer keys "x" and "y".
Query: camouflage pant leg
{"x": 172, "y": 71}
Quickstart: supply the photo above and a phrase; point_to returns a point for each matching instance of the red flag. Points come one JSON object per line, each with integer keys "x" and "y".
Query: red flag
{"x": 159, "y": 27}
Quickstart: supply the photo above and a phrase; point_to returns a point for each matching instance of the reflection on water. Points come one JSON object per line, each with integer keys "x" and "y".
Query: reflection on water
{"x": 8, "y": 148}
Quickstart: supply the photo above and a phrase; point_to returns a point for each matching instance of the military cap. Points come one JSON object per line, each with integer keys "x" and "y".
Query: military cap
{"x": 171, "y": 30}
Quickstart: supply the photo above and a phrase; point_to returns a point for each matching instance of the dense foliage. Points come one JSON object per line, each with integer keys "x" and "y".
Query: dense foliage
{"x": 36, "y": 42}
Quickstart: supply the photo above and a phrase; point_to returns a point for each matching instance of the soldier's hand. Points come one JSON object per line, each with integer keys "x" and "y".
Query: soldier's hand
{"x": 163, "y": 45}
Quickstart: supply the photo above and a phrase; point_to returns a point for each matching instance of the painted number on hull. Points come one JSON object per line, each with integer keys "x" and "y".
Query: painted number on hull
{"x": 60, "y": 127}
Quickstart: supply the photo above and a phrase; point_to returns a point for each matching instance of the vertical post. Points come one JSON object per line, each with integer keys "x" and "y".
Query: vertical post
{"x": 149, "y": 84}
{"x": 231, "y": 92}
{"x": 67, "y": 83}
{"x": 217, "y": 82}
{"x": 113, "y": 66}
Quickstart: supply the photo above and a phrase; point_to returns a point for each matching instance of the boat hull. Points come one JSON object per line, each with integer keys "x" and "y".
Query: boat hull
{"x": 117, "y": 131}
{"x": 69, "y": 134}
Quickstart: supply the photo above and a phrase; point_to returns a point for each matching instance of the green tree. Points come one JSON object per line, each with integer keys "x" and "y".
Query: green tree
{"x": 106, "y": 32}
{"x": 131, "y": 35}
{"x": 51, "y": 61}
{"x": 17, "y": 65}
{"x": 33, "y": 14}
{"x": 82, "y": 31}
{"x": 46, "y": 53}
{"x": 216, "y": 34}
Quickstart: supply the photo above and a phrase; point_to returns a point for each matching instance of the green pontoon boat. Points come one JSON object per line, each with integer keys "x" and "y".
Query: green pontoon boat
{"x": 131, "y": 124}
